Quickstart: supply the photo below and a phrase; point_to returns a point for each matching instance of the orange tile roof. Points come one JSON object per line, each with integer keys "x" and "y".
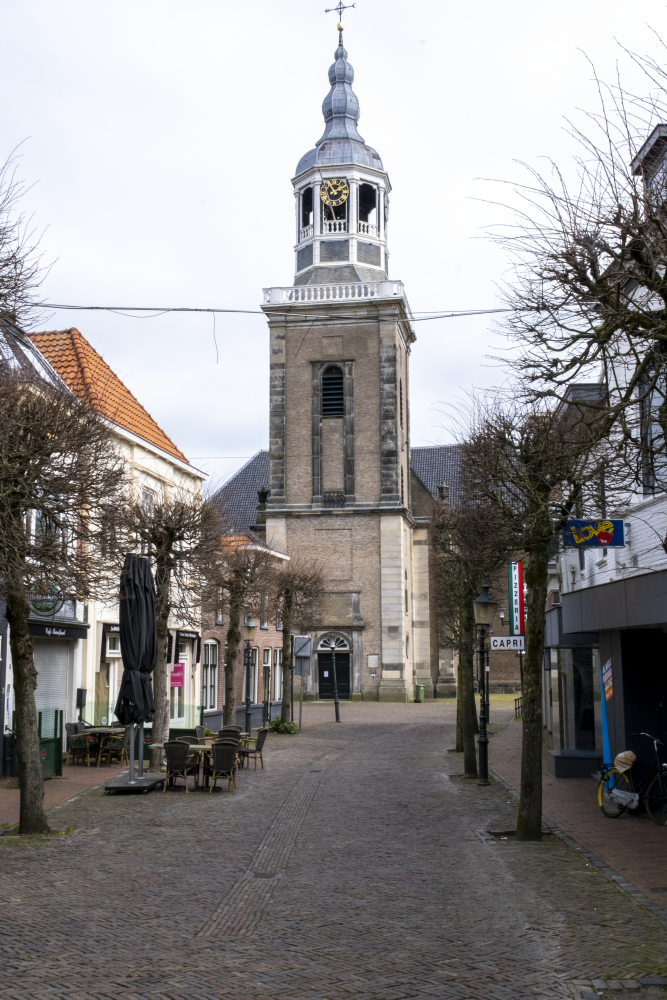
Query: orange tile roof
{"x": 89, "y": 377}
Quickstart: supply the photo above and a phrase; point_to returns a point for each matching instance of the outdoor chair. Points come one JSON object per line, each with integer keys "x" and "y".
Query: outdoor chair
{"x": 222, "y": 765}
{"x": 180, "y": 763}
{"x": 192, "y": 741}
{"x": 117, "y": 747}
{"x": 78, "y": 746}
{"x": 229, "y": 731}
{"x": 255, "y": 751}
{"x": 200, "y": 732}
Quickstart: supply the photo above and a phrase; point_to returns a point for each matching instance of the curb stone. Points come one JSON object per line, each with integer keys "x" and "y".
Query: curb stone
{"x": 609, "y": 873}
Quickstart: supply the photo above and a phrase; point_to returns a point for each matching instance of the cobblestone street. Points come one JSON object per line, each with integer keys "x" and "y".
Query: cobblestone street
{"x": 351, "y": 867}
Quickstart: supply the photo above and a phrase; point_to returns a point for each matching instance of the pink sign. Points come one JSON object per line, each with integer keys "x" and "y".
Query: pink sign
{"x": 177, "y": 674}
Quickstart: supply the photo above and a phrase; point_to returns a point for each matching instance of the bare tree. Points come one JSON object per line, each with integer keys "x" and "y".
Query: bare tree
{"x": 241, "y": 578}
{"x": 61, "y": 485}
{"x": 21, "y": 269}
{"x": 536, "y": 465}
{"x": 179, "y": 530}
{"x": 296, "y": 598}
{"x": 588, "y": 292}
{"x": 470, "y": 545}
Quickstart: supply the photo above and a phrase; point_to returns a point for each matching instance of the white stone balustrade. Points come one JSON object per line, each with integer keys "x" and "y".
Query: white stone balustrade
{"x": 335, "y": 226}
{"x": 367, "y": 228}
{"x": 305, "y": 233}
{"x": 319, "y": 293}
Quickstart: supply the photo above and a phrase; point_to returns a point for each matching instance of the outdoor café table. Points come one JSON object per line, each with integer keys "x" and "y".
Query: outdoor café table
{"x": 101, "y": 732}
{"x": 202, "y": 752}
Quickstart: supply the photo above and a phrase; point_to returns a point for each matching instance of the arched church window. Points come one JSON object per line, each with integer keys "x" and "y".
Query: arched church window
{"x": 333, "y": 399}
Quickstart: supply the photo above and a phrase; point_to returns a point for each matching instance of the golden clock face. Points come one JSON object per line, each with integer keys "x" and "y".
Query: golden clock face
{"x": 335, "y": 191}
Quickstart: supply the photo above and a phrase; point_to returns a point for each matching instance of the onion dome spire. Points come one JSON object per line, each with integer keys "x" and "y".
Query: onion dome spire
{"x": 340, "y": 142}
{"x": 341, "y": 106}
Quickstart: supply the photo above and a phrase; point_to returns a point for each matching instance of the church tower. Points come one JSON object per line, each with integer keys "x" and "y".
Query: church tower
{"x": 339, "y": 444}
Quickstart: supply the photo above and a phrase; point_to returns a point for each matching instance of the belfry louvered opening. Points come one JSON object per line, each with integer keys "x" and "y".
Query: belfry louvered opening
{"x": 333, "y": 402}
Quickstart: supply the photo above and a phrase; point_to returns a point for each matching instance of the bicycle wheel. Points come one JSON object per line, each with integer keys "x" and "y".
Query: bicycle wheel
{"x": 655, "y": 800}
{"x": 610, "y": 780}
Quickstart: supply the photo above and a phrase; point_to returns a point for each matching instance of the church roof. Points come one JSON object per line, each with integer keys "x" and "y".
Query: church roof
{"x": 90, "y": 378}
{"x": 340, "y": 142}
{"x": 438, "y": 464}
{"x": 237, "y": 499}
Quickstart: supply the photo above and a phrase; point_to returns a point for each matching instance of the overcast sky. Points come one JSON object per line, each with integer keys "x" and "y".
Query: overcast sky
{"x": 161, "y": 136}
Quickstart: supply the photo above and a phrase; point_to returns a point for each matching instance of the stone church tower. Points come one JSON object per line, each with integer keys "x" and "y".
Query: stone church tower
{"x": 339, "y": 443}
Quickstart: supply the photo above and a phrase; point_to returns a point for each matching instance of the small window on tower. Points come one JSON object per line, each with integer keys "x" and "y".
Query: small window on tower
{"x": 367, "y": 204}
{"x": 306, "y": 207}
{"x": 333, "y": 401}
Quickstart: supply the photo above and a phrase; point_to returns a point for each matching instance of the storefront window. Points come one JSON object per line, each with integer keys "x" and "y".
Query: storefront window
{"x": 578, "y": 699}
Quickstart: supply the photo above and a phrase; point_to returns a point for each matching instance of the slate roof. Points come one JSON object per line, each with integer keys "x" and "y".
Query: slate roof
{"x": 237, "y": 499}
{"x": 89, "y": 377}
{"x": 438, "y": 464}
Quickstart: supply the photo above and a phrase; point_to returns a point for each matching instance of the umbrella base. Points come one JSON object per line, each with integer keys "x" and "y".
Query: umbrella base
{"x": 139, "y": 787}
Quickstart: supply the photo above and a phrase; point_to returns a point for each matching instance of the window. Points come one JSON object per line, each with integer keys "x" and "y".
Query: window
{"x": 333, "y": 399}
{"x": 406, "y": 592}
{"x": 263, "y": 617}
{"x": 266, "y": 657}
{"x": 307, "y": 208}
{"x": 402, "y": 486}
{"x": 277, "y": 674}
{"x": 219, "y": 617}
{"x": 147, "y": 499}
{"x": 367, "y": 203}
{"x": 279, "y": 625}
{"x": 113, "y": 645}
{"x": 210, "y": 675}
{"x": 253, "y": 675}
{"x": 400, "y": 393}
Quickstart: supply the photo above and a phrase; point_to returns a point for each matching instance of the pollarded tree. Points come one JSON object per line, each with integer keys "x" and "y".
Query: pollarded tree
{"x": 535, "y": 466}
{"x": 179, "y": 530}
{"x": 296, "y": 598}
{"x": 241, "y": 579}
{"x": 470, "y": 547}
{"x": 62, "y": 483}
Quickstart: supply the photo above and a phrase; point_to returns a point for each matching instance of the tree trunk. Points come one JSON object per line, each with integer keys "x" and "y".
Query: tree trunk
{"x": 32, "y": 818}
{"x": 286, "y": 707}
{"x": 160, "y": 729}
{"x": 467, "y": 633}
{"x": 529, "y": 822}
{"x": 233, "y": 642}
{"x": 459, "y": 706}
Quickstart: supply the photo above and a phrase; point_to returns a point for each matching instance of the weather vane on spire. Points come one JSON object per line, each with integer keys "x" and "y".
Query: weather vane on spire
{"x": 340, "y": 8}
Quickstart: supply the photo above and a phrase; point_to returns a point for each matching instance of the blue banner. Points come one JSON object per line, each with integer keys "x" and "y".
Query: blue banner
{"x": 591, "y": 533}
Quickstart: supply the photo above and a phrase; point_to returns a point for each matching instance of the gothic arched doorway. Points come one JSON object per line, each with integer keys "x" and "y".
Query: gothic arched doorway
{"x": 325, "y": 667}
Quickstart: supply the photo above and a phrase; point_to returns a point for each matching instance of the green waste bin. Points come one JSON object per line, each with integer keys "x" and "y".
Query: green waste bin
{"x": 419, "y": 692}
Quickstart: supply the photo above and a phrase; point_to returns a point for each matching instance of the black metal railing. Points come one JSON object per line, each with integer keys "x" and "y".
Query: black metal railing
{"x": 518, "y": 708}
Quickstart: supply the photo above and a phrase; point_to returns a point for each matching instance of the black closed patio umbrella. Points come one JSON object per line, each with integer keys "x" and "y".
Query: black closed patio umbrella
{"x": 138, "y": 646}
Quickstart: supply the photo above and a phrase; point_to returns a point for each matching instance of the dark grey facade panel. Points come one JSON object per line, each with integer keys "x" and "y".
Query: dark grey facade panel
{"x": 369, "y": 253}
{"x": 304, "y": 257}
{"x": 638, "y": 602}
{"x": 334, "y": 250}
{"x": 555, "y": 636}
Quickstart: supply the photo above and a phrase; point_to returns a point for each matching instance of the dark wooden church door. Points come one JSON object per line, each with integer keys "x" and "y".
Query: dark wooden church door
{"x": 342, "y": 675}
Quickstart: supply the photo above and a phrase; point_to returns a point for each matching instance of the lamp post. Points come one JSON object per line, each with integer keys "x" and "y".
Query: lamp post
{"x": 248, "y": 635}
{"x": 332, "y": 644}
{"x": 484, "y": 608}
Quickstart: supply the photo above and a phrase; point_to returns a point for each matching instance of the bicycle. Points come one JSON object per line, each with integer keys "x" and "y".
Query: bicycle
{"x": 617, "y": 792}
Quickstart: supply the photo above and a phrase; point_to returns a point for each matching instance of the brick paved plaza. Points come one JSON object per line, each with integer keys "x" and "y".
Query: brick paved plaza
{"x": 352, "y": 867}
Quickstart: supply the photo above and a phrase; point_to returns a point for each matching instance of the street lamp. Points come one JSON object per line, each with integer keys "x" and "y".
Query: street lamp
{"x": 248, "y": 635}
{"x": 332, "y": 643}
{"x": 484, "y": 608}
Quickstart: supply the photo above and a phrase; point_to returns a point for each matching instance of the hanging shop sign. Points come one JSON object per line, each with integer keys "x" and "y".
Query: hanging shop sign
{"x": 607, "y": 680}
{"x": 579, "y": 534}
{"x": 177, "y": 675}
{"x": 508, "y": 642}
{"x": 515, "y": 590}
